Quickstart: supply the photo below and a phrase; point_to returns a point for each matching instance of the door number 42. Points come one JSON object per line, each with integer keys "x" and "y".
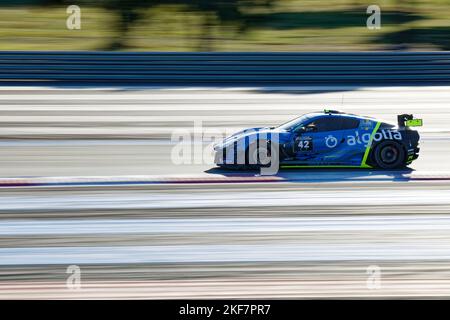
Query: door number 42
{"x": 305, "y": 145}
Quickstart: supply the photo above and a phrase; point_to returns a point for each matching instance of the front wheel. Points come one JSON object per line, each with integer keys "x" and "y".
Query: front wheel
{"x": 389, "y": 155}
{"x": 261, "y": 155}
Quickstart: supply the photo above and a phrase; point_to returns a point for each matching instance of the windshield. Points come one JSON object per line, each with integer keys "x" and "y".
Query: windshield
{"x": 295, "y": 122}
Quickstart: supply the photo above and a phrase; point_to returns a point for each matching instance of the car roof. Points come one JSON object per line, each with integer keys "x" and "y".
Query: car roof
{"x": 339, "y": 114}
{"x": 348, "y": 115}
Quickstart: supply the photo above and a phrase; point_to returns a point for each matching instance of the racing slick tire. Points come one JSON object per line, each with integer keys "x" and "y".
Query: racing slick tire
{"x": 389, "y": 155}
{"x": 257, "y": 156}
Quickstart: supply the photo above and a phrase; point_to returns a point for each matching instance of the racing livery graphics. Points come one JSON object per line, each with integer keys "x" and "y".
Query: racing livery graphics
{"x": 329, "y": 138}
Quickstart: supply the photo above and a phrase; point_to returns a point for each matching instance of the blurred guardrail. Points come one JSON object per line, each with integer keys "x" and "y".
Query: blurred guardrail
{"x": 377, "y": 68}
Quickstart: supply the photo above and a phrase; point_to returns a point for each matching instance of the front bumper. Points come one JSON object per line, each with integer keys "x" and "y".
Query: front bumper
{"x": 225, "y": 156}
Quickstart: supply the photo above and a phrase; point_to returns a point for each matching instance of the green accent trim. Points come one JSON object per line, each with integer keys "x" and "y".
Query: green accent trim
{"x": 319, "y": 166}
{"x": 369, "y": 146}
{"x": 414, "y": 123}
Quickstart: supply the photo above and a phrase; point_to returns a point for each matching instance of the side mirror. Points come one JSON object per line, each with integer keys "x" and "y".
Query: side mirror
{"x": 310, "y": 128}
{"x": 301, "y": 130}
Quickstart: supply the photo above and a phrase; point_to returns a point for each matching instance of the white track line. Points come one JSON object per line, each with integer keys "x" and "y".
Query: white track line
{"x": 127, "y": 200}
{"x": 225, "y": 225}
{"x": 361, "y": 251}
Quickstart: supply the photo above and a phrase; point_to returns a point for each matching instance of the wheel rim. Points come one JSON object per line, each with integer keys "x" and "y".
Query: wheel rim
{"x": 261, "y": 156}
{"x": 389, "y": 154}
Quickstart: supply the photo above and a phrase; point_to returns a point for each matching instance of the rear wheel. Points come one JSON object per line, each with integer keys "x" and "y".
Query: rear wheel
{"x": 389, "y": 155}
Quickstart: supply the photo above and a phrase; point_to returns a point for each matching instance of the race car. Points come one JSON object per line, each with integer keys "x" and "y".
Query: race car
{"x": 324, "y": 139}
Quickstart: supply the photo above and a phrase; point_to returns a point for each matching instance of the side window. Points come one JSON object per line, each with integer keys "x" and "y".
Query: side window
{"x": 349, "y": 123}
{"x": 327, "y": 123}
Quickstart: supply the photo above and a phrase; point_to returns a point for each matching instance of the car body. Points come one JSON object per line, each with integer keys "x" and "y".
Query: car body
{"x": 325, "y": 139}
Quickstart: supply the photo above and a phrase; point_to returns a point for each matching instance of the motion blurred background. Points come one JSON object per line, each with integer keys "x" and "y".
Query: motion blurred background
{"x": 231, "y": 25}
{"x": 93, "y": 206}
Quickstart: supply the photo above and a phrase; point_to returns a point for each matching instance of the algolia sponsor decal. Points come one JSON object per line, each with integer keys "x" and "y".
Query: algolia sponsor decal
{"x": 357, "y": 138}
{"x": 331, "y": 141}
{"x": 385, "y": 134}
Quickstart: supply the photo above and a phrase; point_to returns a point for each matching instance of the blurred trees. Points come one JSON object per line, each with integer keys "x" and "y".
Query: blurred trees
{"x": 207, "y": 25}
{"x": 214, "y": 13}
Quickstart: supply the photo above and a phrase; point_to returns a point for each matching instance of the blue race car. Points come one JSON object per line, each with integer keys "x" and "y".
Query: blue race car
{"x": 324, "y": 139}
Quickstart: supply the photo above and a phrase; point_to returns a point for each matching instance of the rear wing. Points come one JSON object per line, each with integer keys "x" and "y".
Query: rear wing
{"x": 407, "y": 120}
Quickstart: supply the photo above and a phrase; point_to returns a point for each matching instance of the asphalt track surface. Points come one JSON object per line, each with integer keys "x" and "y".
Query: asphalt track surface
{"x": 87, "y": 179}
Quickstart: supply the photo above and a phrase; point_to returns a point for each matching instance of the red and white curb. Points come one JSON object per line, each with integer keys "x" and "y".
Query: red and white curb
{"x": 304, "y": 176}
{"x": 131, "y": 180}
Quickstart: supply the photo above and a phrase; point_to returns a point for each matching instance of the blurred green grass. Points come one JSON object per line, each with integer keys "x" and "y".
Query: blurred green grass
{"x": 286, "y": 25}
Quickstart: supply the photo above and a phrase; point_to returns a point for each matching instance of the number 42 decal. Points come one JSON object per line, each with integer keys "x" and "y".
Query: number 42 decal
{"x": 305, "y": 144}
